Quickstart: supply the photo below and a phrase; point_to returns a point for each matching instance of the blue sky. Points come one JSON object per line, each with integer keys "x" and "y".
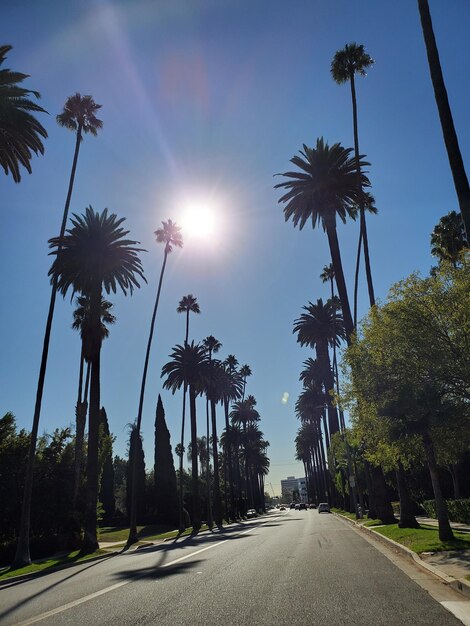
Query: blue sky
{"x": 205, "y": 100}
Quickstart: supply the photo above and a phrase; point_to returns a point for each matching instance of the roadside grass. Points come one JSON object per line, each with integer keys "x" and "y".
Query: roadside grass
{"x": 145, "y": 533}
{"x": 424, "y": 539}
{"x": 364, "y": 521}
{"x": 48, "y": 564}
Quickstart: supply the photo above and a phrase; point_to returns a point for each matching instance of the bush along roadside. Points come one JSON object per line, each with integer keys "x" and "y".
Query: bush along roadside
{"x": 459, "y": 510}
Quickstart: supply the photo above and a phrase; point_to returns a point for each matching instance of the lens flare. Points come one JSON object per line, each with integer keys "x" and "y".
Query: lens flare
{"x": 199, "y": 221}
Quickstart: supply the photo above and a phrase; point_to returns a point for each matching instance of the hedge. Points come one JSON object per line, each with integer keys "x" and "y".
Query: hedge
{"x": 459, "y": 510}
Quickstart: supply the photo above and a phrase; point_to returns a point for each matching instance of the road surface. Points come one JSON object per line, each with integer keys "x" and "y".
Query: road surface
{"x": 292, "y": 567}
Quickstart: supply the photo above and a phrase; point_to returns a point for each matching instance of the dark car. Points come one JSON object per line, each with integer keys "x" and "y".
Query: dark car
{"x": 292, "y": 505}
{"x": 313, "y": 506}
{"x": 302, "y": 506}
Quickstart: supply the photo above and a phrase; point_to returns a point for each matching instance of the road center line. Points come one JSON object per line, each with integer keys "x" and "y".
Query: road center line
{"x": 96, "y": 594}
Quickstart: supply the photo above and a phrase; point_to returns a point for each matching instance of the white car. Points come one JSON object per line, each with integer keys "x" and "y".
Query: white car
{"x": 251, "y": 513}
{"x": 324, "y": 507}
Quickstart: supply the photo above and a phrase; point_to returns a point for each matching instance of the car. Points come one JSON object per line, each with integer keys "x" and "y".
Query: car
{"x": 302, "y": 506}
{"x": 297, "y": 506}
{"x": 292, "y": 505}
{"x": 251, "y": 513}
{"x": 313, "y": 506}
{"x": 324, "y": 507}
{"x": 282, "y": 508}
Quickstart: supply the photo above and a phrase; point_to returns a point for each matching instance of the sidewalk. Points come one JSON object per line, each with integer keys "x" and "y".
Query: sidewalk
{"x": 430, "y": 521}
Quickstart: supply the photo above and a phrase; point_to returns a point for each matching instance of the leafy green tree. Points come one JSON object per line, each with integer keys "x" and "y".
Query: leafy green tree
{"x": 447, "y": 238}
{"x": 106, "y": 494}
{"x": 352, "y": 60}
{"x": 136, "y": 475}
{"x": 171, "y": 236}
{"x": 92, "y": 256}
{"x": 166, "y": 497}
{"x": 20, "y": 132}
{"x": 325, "y": 187}
{"x": 78, "y": 115}
{"x": 445, "y": 115}
{"x": 189, "y": 368}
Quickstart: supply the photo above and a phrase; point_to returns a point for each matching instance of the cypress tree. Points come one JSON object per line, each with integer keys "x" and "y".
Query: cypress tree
{"x": 166, "y": 498}
{"x": 106, "y": 495}
{"x": 135, "y": 447}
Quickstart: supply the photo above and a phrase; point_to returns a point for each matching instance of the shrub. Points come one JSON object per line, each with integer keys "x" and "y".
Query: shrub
{"x": 459, "y": 510}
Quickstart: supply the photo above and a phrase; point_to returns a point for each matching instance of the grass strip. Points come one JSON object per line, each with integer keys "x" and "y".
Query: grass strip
{"x": 48, "y": 564}
{"x": 424, "y": 539}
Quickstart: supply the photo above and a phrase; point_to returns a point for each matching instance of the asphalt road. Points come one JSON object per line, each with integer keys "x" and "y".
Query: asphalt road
{"x": 297, "y": 567}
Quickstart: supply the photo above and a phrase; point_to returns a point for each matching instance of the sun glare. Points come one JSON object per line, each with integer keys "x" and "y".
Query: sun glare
{"x": 199, "y": 221}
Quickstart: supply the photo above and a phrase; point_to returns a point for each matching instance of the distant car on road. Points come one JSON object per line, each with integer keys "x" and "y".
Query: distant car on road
{"x": 251, "y": 513}
{"x": 297, "y": 506}
{"x": 292, "y": 505}
{"x": 313, "y": 506}
{"x": 282, "y": 508}
{"x": 302, "y": 506}
{"x": 324, "y": 507}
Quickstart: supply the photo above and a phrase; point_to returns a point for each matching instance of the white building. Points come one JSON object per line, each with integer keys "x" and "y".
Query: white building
{"x": 291, "y": 483}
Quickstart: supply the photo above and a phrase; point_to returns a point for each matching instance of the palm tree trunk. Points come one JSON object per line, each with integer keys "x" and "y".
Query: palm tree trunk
{"x": 90, "y": 541}
{"x": 445, "y": 530}
{"x": 181, "y": 494}
{"x": 228, "y": 454}
{"x": 215, "y": 454}
{"x": 209, "y": 500}
{"x": 445, "y": 115}
{"x": 22, "y": 556}
{"x": 339, "y": 277}
{"x": 196, "y": 521}
{"x": 80, "y": 420}
{"x": 356, "y": 276}
{"x": 133, "y": 538}
{"x": 384, "y": 509}
{"x": 328, "y": 381}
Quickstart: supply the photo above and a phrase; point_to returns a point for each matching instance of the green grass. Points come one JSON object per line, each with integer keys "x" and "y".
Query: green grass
{"x": 48, "y": 564}
{"x": 144, "y": 533}
{"x": 365, "y": 521}
{"x": 424, "y": 539}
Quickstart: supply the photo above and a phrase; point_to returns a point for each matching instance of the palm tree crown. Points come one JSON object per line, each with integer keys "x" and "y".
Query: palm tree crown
{"x": 321, "y": 322}
{"x": 79, "y": 114}
{"x": 20, "y": 132}
{"x": 352, "y": 59}
{"x": 188, "y": 365}
{"x": 325, "y": 186}
{"x": 94, "y": 249}
{"x": 170, "y": 235}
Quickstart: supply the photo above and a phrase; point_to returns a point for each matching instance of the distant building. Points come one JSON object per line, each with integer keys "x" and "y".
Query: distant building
{"x": 291, "y": 483}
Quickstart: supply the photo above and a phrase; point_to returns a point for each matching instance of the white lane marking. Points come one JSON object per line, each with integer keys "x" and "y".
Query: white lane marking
{"x": 461, "y": 610}
{"x": 91, "y": 596}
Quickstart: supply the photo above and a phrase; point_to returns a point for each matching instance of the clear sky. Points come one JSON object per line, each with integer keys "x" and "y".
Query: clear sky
{"x": 204, "y": 101}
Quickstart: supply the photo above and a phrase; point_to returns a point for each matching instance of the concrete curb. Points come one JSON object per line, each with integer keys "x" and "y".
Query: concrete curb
{"x": 459, "y": 584}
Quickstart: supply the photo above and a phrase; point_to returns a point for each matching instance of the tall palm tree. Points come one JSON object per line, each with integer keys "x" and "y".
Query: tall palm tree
{"x": 245, "y": 371}
{"x": 212, "y": 346}
{"x": 445, "y": 115}
{"x": 92, "y": 256}
{"x": 169, "y": 235}
{"x": 189, "y": 369}
{"x": 20, "y": 132}
{"x": 352, "y": 60}
{"x": 320, "y": 327}
{"x": 188, "y": 304}
{"x": 232, "y": 390}
{"x": 78, "y": 115}
{"x": 324, "y": 188}
{"x": 81, "y": 322}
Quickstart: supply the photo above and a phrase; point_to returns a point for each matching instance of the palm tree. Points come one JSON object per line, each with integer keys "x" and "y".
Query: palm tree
{"x": 232, "y": 390}
{"x": 81, "y": 322}
{"x": 212, "y": 346}
{"x": 245, "y": 371}
{"x": 325, "y": 186}
{"x": 188, "y": 304}
{"x": 78, "y": 115}
{"x": 189, "y": 368}
{"x": 445, "y": 115}
{"x": 92, "y": 256}
{"x": 348, "y": 62}
{"x": 322, "y": 326}
{"x": 171, "y": 236}
{"x": 20, "y": 132}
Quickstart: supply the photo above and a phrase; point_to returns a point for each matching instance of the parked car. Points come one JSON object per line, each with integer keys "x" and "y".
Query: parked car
{"x": 324, "y": 507}
{"x": 251, "y": 513}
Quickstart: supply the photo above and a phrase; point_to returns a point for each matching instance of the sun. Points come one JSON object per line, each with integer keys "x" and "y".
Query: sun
{"x": 199, "y": 221}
